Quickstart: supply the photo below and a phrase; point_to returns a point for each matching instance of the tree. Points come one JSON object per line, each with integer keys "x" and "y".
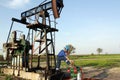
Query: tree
{"x": 99, "y": 50}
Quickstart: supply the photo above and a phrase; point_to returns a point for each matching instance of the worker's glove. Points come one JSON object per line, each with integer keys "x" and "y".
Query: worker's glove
{"x": 71, "y": 63}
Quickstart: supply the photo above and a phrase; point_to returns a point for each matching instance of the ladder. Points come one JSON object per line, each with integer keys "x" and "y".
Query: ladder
{"x": 44, "y": 37}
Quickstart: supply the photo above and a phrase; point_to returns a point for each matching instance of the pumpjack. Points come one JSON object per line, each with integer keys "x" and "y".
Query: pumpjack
{"x": 39, "y": 40}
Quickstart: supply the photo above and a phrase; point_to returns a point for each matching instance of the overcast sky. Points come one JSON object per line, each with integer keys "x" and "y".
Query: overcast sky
{"x": 86, "y": 24}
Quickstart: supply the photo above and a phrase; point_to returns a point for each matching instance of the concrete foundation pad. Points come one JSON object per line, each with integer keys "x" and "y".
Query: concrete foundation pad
{"x": 23, "y": 74}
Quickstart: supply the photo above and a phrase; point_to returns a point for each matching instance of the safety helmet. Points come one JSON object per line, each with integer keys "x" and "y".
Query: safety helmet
{"x": 69, "y": 48}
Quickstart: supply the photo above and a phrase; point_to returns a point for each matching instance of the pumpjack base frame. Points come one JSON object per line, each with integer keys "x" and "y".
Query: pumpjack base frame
{"x": 23, "y": 74}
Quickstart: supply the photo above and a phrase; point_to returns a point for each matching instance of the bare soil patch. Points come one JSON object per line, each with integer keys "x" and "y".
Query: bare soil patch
{"x": 102, "y": 73}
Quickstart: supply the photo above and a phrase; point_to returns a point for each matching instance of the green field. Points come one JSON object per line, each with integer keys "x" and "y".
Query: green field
{"x": 108, "y": 60}
{"x": 99, "y": 61}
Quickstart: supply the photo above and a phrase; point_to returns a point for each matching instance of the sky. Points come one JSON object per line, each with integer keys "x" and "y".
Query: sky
{"x": 86, "y": 24}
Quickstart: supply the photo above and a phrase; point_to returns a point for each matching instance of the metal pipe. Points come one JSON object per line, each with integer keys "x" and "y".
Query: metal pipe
{"x": 9, "y": 31}
{"x": 32, "y": 49}
{"x": 19, "y": 66}
{"x": 13, "y": 65}
{"x": 16, "y": 62}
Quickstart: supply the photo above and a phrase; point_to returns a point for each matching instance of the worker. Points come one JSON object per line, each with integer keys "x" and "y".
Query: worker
{"x": 63, "y": 56}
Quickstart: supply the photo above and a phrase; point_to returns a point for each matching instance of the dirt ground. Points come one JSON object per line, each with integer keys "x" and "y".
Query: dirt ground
{"x": 90, "y": 72}
{"x": 102, "y": 74}
{"x": 2, "y": 78}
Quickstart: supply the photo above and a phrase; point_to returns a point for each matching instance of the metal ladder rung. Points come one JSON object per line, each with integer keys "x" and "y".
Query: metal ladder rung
{"x": 51, "y": 54}
{"x": 42, "y": 40}
{"x": 52, "y": 29}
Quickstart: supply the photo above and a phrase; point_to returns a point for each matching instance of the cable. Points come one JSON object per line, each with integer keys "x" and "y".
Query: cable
{"x": 43, "y": 2}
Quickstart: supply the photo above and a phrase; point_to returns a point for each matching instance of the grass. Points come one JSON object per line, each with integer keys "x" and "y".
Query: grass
{"x": 8, "y": 77}
{"x": 103, "y": 60}
{"x": 108, "y": 61}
